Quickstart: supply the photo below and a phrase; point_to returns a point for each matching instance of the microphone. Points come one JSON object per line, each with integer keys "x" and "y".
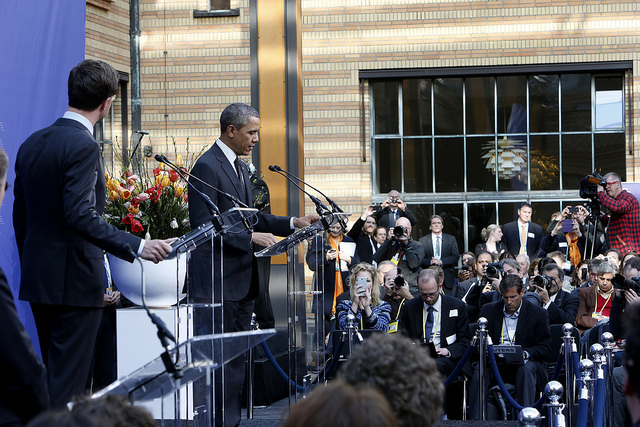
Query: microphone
{"x": 334, "y": 205}
{"x": 142, "y": 134}
{"x": 320, "y": 207}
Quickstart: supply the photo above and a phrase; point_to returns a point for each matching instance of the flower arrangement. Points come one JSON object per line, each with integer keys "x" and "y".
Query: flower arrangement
{"x": 149, "y": 205}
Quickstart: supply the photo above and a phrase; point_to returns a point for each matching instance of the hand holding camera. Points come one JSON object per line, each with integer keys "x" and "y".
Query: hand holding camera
{"x": 399, "y": 233}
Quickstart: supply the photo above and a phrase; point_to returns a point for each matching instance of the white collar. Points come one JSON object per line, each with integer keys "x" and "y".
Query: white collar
{"x": 79, "y": 118}
{"x": 228, "y": 152}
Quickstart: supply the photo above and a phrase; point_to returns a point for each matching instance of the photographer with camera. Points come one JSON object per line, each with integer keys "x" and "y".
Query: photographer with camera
{"x": 495, "y": 273}
{"x": 626, "y": 291}
{"x": 403, "y": 251}
{"x": 561, "y": 306}
{"x": 567, "y": 234}
{"x": 442, "y": 250}
{"x": 396, "y": 294}
{"x": 362, "y": 233}
{"x": 369, "y": 310}
{"x": 392, "y": 209}
{"x": 623, "y": 229}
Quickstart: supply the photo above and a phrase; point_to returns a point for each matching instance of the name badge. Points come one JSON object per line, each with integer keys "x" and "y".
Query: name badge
{"x": 453, "y": 313}
{"x": 393, "y": 327}
{"x": 531, "y": 235}
{"x": 451, "y": 339}
{"x": 562, "y": 244}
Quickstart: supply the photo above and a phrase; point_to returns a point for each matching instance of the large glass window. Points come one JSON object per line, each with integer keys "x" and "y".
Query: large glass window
{"x": 474, "y": 147}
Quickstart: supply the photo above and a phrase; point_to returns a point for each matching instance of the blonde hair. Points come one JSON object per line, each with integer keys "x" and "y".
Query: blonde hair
{"x": 375, "y": 288}
{"x": 486, "y": 232}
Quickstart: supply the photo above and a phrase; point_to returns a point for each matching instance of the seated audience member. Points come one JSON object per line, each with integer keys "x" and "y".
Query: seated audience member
{"x": 491, "y": 291}
{"x": 632, "y": 363}
{"x": 107, "y": 411}
{"x": 441, "y": 249}
{"x": 339, "y": 404}
{"x": 23, "y": 389}
{"x": 465, "y": 270}
{"x": 383, "y": 268}
{"x": 469, "y": 291}
{"x": 397, "y": 294}
{"x": 614, "y": 257}
{"x": 369, "y": 310}
{"x": 595, "y": 301}
{"x": 394, "y": 208}
{"x": 492, "y": 236}
{"x": 439, "y": 319}
{"x": 362, "y": 233}
{"x": 566, "y": 266}
{"x": 514, "y": 321}
{"x": 580, "y": 274}
{"x": 622, "y": 298}
{"x": 404, "y": 372}
{"x": 403, "y": 251}
{"x": 380, "y": 235}
{"x": 561, "y": 306}
{"x": 524, "y": 262}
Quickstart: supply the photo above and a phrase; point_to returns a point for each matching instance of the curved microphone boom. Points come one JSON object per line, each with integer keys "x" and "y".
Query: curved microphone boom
{"x": 320, "y": 207}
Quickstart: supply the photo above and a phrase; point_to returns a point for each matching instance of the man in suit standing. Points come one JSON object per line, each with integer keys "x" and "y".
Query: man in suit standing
{"x": 392, "y": 209}
{"x": 561, "y": 306}
{"x": 23, "y": 390}
{"x": 523, "y": 236}
{"x": 221, "y": 167}
{"x": 441, "y": 249}
{"x": 57, "y": 216}
{"x": 515, "y": 321}
{"x": 436, "y": 318}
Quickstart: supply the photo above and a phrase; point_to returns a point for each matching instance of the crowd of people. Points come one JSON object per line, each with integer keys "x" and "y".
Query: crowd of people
{"x": 524, "y": 280}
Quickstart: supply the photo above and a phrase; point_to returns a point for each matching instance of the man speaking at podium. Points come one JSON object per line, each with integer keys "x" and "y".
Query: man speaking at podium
{"x": 221, "y": 168}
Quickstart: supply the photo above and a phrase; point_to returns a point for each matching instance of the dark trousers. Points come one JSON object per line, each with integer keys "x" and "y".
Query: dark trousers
{"x": 524, "y": 377}
{"x": 67, "y": 337}
{"x": 230, "y": 379}
{"x": 104, "y": 365}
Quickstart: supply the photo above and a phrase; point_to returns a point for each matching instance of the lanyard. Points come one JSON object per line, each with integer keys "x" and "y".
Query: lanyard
{"x": 506, "y": 329}
{"x": 424, "y": 327}
{"x": 595, "y": 311}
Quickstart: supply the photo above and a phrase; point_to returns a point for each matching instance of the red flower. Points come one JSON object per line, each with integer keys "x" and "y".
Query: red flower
{"x": 128, "y": 219}
{"x": 173, "y": 176}
{"x": 136, "y": 226}
{"x": 154, "y": 193}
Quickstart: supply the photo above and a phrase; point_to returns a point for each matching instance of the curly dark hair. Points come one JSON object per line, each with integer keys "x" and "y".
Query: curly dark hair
{"x": 405, "y": 373}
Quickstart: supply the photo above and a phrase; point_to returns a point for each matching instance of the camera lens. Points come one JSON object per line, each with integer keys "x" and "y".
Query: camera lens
{"x": 398, "y": 281}
{"x": 398, "y": 231}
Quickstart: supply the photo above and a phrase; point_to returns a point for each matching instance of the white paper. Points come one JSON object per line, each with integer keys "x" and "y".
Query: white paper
{"x": 350, "y": 249}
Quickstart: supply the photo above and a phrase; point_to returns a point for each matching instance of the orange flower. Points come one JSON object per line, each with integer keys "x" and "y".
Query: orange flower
{"x": 134, "y": 209}
{"x": 126, "y": 194}
{"x": 113, "y": 195}
{"x": 179, "y": 190}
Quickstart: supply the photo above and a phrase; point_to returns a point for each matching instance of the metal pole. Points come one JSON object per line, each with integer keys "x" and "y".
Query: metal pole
{"x": 481, "y": 333}
{"x": 608, "y": 340}
{"x": 569, "y": 345}
{"x": 529, "y": 417}
{"x": 554, "y": 392}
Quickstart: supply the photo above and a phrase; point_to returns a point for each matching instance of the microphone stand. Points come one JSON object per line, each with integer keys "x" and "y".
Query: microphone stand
{"x": 216, "y": 212}
{"x": 321, "y": 209}
{"x": 164, "y": 334}
{"x": 334, "y": 205}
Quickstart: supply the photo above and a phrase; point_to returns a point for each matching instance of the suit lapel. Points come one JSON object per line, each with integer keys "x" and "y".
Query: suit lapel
{"x": 229, "y": 171}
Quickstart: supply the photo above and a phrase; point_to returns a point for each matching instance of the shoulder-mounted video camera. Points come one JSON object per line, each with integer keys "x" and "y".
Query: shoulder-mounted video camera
{"x": 589, "y": 185}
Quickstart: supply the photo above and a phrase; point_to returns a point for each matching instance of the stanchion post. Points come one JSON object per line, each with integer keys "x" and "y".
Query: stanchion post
{"x": 529, "y": 417}
{"x": 568, "y": 348}
{"x": 609, "y": 345}
{"x": 554, "y": 392}
{"x": 481, "y": 335}
{"x": 586, "y": 370}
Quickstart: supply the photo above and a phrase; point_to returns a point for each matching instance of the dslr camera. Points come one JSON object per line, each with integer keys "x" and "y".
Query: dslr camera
{"x": 394, "y": 200}
{"x": 494, "y": 270}
{"x": 398, "y": 231}
{"x": 621, "y": 282}
{"x": 543, "y": 281}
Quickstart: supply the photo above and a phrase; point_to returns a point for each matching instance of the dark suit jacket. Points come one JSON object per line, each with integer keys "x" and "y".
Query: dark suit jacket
{"x": 564, "y": 309}
{"x": 532, "y": 333}
{"x": 239, "y": 280}
{"x": 382, "y": 217}
{"x": 500, "y": 248}
{"x": 511, "y": 238}
{"x": 454, "y": 325}
{"x": 23, "y": 390}
{"x": 364, "y": 242}
{"x": 449, "y": 257}
{"x": 57, "y": 217}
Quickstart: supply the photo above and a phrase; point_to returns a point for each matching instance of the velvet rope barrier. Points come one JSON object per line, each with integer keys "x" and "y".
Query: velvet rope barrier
{"x": 459, "y": 366}
{"x": 282, "y": 373}
{"x": 599, "y": 400}
{"x": 583, "y": 412}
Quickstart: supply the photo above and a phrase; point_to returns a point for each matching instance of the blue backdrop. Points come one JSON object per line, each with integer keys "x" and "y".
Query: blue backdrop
{"x": 40, "y": 41}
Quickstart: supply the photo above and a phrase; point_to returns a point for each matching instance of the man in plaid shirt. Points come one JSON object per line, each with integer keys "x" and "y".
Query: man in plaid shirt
{"x": 623, "y": 231}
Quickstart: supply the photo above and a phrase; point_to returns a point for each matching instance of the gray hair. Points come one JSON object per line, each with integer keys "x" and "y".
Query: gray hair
{"x": 512, "y": 262}
{"x": 605, "y": 268}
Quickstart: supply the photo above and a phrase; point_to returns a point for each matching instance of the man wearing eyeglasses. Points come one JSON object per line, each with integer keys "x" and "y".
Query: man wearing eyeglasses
{"x": 623, "y": 230}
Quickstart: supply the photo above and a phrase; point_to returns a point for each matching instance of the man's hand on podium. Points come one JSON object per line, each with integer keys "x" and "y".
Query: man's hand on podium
{"x": 263, "y": 239}
{"x": 305, "y": 221}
